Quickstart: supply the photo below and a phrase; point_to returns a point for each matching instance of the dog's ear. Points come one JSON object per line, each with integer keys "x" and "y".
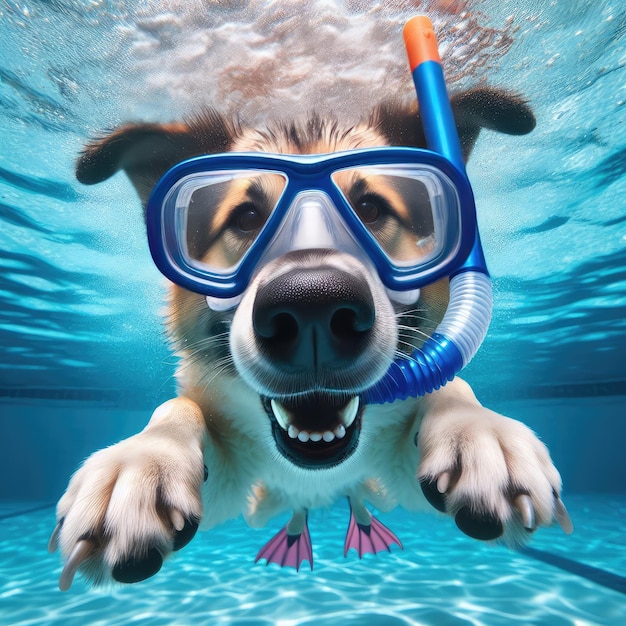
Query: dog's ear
{"x": 478, "y": 108}
{"x": 146, "y": 151}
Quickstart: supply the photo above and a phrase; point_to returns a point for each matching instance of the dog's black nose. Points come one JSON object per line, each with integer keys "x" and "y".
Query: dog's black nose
{"x": 313, "y": 317}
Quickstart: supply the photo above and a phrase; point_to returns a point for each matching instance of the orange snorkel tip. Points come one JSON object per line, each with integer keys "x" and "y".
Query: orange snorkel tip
{"x": 420, "y": 41}
{"x": 430, "y": 86}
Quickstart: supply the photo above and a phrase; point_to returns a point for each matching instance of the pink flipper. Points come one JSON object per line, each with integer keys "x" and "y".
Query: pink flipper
{"x": 288, "y": 550}
{"x": 369, "y": 538}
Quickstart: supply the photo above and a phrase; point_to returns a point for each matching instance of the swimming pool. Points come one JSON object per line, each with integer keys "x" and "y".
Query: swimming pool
{"x": 83, "y": 358}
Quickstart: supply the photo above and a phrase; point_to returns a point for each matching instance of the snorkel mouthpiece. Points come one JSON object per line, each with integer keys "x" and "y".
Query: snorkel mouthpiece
{"x": 465, "y": 323}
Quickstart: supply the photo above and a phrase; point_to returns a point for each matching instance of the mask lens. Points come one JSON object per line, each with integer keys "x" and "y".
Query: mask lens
{"x": 412, "y": 211}
{"x": 219, "y": 215}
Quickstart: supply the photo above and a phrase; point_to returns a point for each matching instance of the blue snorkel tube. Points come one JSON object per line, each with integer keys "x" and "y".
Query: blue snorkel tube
{"x": 464, "y": 325}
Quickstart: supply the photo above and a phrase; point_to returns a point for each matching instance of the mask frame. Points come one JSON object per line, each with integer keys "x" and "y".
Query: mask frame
{"x": 305, "y": 173}
{"x": 465, "y": 323}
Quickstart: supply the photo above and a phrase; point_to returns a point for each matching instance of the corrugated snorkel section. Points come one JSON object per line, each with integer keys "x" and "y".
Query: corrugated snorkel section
{"x": 448, "y": 351}
{"x": 469, "y": 313}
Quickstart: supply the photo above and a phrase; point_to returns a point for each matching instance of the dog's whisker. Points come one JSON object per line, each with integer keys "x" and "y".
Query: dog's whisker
{"x": 217, "y": 366}
{"x": 420, "y": 316}
{"x": 206, "y": 343}
{"x": 409, "y": 312}
{"x": 205, "y": 347}
{"x": 414, "y": 320}
{"x": 421, "y": 330}
{"x": 419, "y": 335}
{"x": 209, "y": 339}
{"x": 407, "y": 344}
{"x": 416, "y": 334}
{"x": 208, "y": 377}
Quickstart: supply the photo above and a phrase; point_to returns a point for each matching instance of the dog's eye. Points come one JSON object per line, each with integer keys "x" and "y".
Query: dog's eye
{"x": 247, "y": 218}
{"x": 371, "y": 207}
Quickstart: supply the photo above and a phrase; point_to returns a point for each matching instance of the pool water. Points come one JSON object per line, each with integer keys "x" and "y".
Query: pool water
{"x": 83, "y": 360}
{"x": 440, "y": 577}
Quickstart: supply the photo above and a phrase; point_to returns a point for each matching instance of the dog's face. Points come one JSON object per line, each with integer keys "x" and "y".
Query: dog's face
{"x": 315, "y": 326}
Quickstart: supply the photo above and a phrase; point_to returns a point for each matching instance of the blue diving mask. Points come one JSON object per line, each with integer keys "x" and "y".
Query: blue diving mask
{"x": 407, "y": 213}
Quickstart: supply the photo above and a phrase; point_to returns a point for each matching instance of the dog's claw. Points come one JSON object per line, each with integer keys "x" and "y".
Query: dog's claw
{"x": 524, "y": 505}
{"x": 186, "y": 533}
{"x": 177, "y": 519}
{"x": 53, "y": 542}
{"x": 443, "y": 482}
{"x": 562, "y": 516}
{"x": 432, "y": 494}
{"x": 83, "y": 549}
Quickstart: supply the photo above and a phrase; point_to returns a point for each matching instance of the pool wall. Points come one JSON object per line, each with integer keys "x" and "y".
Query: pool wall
{"x": 43, "y": 442}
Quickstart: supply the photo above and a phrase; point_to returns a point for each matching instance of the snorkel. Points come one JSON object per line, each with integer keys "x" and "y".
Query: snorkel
{"x": 305, "y": 201}
{"x": 464, "y": 325}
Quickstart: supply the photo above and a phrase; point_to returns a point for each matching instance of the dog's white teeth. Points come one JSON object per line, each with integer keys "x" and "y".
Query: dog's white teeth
{"x": 348, "y": 414}
{"x": 280, "y": 414}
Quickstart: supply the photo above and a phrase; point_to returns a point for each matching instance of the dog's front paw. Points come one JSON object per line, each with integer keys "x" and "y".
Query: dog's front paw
{"x": 491, "y": 473}
{"x": 128, "y": 507}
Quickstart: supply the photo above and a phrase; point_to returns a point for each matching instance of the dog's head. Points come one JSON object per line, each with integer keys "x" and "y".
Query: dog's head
{"x": 315, "y": 326}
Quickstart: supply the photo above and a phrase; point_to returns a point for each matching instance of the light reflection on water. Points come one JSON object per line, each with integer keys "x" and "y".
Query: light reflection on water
{"x": 441, "y": 577}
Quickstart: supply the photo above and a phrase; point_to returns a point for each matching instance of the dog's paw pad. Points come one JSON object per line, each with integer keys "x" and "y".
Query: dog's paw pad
{"x": 478, "y": 525}
{"x": 134, "y": 503}
{"x": 432, "y": 494}
{"x": 135, "y": 569}
{"x": 182, "y": 536}
{"x": 491, "y": 474}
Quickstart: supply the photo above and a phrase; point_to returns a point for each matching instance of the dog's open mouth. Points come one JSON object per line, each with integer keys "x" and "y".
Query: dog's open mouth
{"x": 315, "y": 431}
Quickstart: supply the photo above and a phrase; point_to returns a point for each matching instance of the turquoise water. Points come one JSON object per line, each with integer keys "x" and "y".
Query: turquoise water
{"x": 82, "y": 355}
{"x": 440, "y": 578}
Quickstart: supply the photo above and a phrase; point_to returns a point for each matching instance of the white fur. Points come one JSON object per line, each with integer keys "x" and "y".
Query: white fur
{"x": 132, "y": 496}
{"x": 372, "y": 363}
{"x": 115, "y": 491}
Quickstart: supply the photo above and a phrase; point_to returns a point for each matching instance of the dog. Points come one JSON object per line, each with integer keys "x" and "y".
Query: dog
{"x": 268, "y": 416}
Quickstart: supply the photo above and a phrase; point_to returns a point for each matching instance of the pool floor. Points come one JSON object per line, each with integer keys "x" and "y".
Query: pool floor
{"x": 440, "y": 577}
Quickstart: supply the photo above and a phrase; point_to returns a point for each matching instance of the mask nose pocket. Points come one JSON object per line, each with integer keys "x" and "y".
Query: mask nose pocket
{"x": 313, "y": 228}
{"x": 313, "y": 222}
